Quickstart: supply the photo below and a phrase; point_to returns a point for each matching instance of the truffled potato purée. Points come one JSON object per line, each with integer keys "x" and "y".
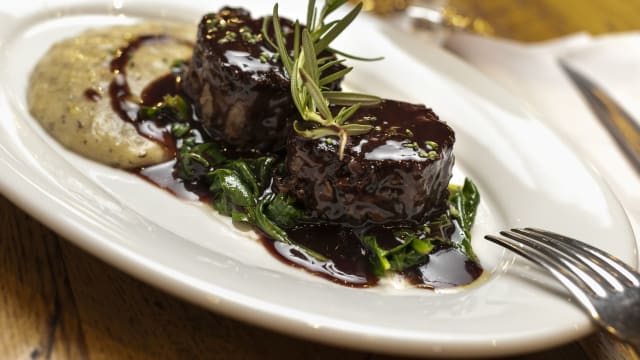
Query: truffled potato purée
{"x": 57, "y": 86}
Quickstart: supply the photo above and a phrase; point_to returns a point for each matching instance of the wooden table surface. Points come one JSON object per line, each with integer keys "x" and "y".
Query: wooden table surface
{"x": 58, "y": 302}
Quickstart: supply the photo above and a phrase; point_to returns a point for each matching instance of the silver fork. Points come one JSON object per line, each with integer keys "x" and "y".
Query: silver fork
{"x": 607, "y": 288}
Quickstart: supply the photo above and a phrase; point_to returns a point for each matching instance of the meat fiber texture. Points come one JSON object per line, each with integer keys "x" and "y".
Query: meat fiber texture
{"x": 397, "y": 173}
{"x": 238, "y": 84}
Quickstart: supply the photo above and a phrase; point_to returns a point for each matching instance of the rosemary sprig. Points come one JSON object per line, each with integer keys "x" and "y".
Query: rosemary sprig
{"x": 307, "y": 71}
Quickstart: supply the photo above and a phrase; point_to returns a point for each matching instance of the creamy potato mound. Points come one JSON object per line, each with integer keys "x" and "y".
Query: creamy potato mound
{"x": 57, "y": 87}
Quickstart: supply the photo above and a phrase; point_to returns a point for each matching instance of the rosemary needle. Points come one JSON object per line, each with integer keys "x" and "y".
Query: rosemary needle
{"x": 310, "y": 72}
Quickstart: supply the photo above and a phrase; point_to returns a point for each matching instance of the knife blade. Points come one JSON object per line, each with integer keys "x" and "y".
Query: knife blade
{"x": 624, "y": 129}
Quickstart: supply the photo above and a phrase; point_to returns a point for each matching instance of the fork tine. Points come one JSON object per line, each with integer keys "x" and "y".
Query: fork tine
{"x": 606, "y": 273}
{"x": 579, "y": 271}
{"x": 578, "y": 289}
{"x": 573, "y": 264}
{"x": 620, "y": 267}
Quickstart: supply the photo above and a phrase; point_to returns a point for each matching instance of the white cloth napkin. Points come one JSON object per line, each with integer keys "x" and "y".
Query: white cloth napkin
{"x": 532, "y": 73}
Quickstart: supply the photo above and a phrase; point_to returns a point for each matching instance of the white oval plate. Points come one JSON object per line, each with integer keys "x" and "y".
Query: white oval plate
{"x": 527, "y": 177}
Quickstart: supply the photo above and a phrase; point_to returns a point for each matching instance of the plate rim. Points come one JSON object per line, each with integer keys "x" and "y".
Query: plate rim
{"x": 147, "y": 271}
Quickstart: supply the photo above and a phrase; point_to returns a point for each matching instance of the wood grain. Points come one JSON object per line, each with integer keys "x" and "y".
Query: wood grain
{"x": 58, "y": 302}
{"x": 38, "y": 314}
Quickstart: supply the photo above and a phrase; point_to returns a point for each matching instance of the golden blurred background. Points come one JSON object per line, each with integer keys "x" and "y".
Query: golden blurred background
{"x": 531, "y": 20}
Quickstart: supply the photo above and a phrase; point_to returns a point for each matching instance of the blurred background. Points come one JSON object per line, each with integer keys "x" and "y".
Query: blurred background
{"x": 526, "y": 20}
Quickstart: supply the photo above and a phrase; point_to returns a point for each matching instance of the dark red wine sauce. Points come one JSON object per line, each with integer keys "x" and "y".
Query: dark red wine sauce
{"x": 347, "y": 260}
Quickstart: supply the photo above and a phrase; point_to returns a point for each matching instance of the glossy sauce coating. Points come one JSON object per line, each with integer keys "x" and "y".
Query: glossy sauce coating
{"x": 349, "y": 264}
{"x": 125, "y": 104}
{"x": 348, "y": 261}
{"x": 398, "y": 172}
{"x": 237, "y": 81}
{"x": 238, "y": 86}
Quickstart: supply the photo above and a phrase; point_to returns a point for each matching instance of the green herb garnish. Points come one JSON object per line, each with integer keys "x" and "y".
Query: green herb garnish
{"x": 179, "y": 129}
{"x": 414, "y": 249}
{"x": 215, "y": 24}
{"x": 282, "y": 211}
{"x": 176, "y": 63}
{"x": 229, "y": 36}
{"x": 248, "y": 36}
{"x": 416, "y": 244}
{"x": 195, "y": 159}
{"x": 264, "y": 57}
{"x": 465, "y": 200}
{"x": 431, "y": 145}
{"x": 412, "y": 145}
{"x": 238, "y": 187}
{"x": 173, "y": 108}
{"x": 307, "y": 71}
